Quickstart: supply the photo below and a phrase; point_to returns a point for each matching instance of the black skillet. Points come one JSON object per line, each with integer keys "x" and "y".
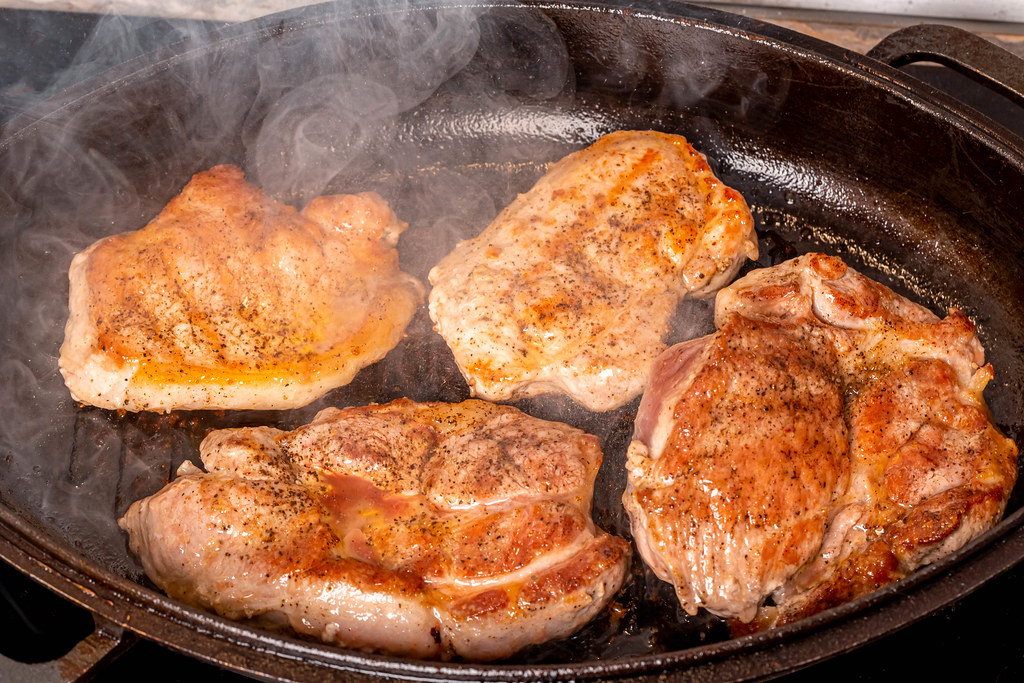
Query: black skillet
{"x": 449, "y": 111}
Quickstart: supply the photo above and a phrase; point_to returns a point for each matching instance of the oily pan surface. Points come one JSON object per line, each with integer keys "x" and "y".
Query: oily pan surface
{"x": 448, "y": 139}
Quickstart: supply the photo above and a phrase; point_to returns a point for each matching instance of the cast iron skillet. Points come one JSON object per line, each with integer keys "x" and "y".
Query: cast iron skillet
{"x": 449, "y": 111}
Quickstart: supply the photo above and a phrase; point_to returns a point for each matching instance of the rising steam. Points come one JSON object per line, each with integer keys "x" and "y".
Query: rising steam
{"x": 339, "y": 101}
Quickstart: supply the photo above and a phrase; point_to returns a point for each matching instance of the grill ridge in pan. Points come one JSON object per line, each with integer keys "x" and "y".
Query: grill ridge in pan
{"x": 831, "y": 150}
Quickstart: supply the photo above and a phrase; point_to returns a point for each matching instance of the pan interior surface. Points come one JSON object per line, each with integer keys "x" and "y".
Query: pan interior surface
{"x": 449, "y": 113}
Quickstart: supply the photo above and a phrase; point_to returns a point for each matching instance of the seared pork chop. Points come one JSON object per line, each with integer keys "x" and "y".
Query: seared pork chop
{"x": 429, "y": 530}
{"x": 229, "y": 299}
{"x": 829, "y": 438}
{"x": 572, "y": 287}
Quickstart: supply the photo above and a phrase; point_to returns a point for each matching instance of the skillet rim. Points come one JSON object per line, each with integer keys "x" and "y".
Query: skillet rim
{"x": 144, "y": 610}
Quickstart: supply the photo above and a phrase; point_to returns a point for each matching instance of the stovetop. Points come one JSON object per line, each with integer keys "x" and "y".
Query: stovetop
{"x": 974, "y": 638}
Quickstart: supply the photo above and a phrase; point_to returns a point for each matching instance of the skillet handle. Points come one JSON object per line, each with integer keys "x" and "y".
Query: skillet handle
{"x": 984, "y": 61}
{"x": 107, "y": 642}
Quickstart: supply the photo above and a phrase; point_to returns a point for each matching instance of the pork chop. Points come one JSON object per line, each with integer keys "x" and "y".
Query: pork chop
{"x": 428, "y": 530}
{"x": 230, "y": 299}
{"x": 830, "y": 438}
{"x": 572, "y": 288}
